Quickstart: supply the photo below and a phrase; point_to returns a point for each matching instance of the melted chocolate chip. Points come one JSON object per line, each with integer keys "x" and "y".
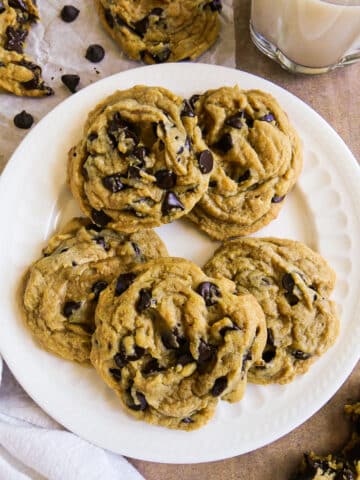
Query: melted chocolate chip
{"x": 144, "y": 300}
{"x": 187, "y": 110}
{"x": 95, "y": 53}
{"x": 2, "y": 7}
{"x": 23, "y": 120}
{"x": 229, "y": 329}
{"x": 269, "y": 353}
{"x": 140, "y": 153}
{"x": 98, "y": 287}
{"x": 193, "y": 100}
{"x": 136, "y": 249}
{"x": 113, "y": 183}
{"x": 219, "y": 386}
{"x": 206, "y": 161}
{"x": 100, "y": 217}
{"x": 156, "y": 12}
{"x": 170, "y": 203}
{"x": 291, "y": 299}
{"x": 18, "y": 4}
{"x": 151, "y": 367}
{"x": 92, "y": 226}
{"x": 134, "y": 173}
{"x": 288, "y": 282}
{"x": 159, "y": 57}
{"x": 123, "y": 282}
{"x": 15, "y": 39}
{"x": 277, "y": 199}
{"x": 71, "y": 81}
{"x": 142, "y": 402}
{"x": 138, "y": 353}
{"x": 225, "y": 143}
{"x": 116, "y": 373}
{"x": 270, "y": 337}
{"x": 165, "y": 179}
{"x": 120, "y": 360}
{"x": 109, "y": 18}
{"x": 187, "y": 142}
{"x": 215, "y": 5}
{"x": 236, "y": 120}
{"x": 141, "y": 26}
{"x": 269, "y": 117}
{"x": 245, "y": 176}
{"x": 69, "y": 13}
{"x": 187, "y": 420}
{"x": 92, "y": 136}
{"x": 210, "y": 293}
{"x": 300, "y": 355}
{"x": 206, "y": 353}
{"x": 70, "y": 307}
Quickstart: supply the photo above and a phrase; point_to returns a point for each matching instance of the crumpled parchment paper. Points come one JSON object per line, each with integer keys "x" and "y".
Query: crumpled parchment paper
{"x": 59, "y": 48}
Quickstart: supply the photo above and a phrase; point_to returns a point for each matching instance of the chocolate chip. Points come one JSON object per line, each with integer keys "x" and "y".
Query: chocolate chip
{"x": 206, "y": 161}
{"x": 109, "y": 18}
{"x": 269, "y": 117}
{"x": 98, "y": 287}
{"x": 71, "y": 81}
{"x": 288, "y": 282}
{"x": 101, "y": 241}
{"x": 138, "y": 353}
{"x": 113, "y": 183}
{"x": 193, "y": 100}
{"x": 187, "y": 110}
{"x": 134, "y": 173}
{"x": 69, "y": 13}
{"x": 277, "y": 199}
{"x": 142, "y": 402}
{"x": 141, "y": 26}
{"x": 95, "y": 53}
{"x": 215, "y": 5}
{"x": 139, "y": 152}
{"x": 169, "y": 340}
{"x": 123, "y": 282}
{"x": 171, "y": 202}
{"x": 18, "y": 4}
{"x": 270, "y": 337}
{"x": 229, "y": 329}
{"x": 210, "y": 293}
{"x": 187, "y": 420}
{"x": 136, "y": 249}
{"x": 151, "y": 367}
{"x": 165, "y": 179}
{"x": 120, "y": 360}
{"x": 160, "y": 57}
{"x": 116, "y": 373}
{"x": 213, "y": 184}
{"x": 70, "y": 307}
{"x": 92, "y": 226}
{"x": 300, "y": 355}
{"x": 2, "y": 7}
{"x": 292, "y": 299}
{"x": 73, "y": 263}
{"x": 236, "y": 120}
{"x": 23, "y": 120}
{"x": 144, "y": 300}
{"x": 15, "y": 39}
{"x": 249, "y": 120}
{"x": 225, "y": 143}
{"x": 100, "y": 217}
{"x": 188, "y": 142}
{"x": 184, "y": 358}
{"x": 156, "y": 12}
{"x": 219, "y": 386}
{"x": 245, "y": 176}
{"x": 206, "y": 353}
{"x": 92, "y": 136}
{"x": 269, "y": 353}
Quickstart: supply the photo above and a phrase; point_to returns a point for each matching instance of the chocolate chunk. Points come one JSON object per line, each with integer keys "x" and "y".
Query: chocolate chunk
{"x": 193, "y": 100}
{"x": 269, "y": 117}
{"x": 120, "y": 360}
{"x": 300, "y": 355}
{"x": 187, "y": 420}
{"x": 92, "y": 136}
{"x": 109, "y": 18}
{"x": 116, "y": 373}
{"x": 113, "y": 183}
{"x": 23, "y": 120}
{"x": 2, "y": 7}
{"x": 151, "y": 367}
{"x": 35, "y": 82}
{"x": 215, "y": 5}
{"x": 188, "y": 143}
{"x": 269, "y": 353}
{"x": 236, "y": 120}
{"x": 15, "y": 39}
{"x": 116, "y": 123}
{"x": 69, "y": 13}
{"x": 70, "y": 307}
{"x": 141, "y": 26}
{"x": 206, "y": 161}
{"x": 277, "y": 199}
{"x": 142, "y": 402}
{"x": 100, "y": 217}
{"x": 225, "y": 143}
{"x": 206, "y": 353}
{"x": 245, "y": 176}
{"x": 144, "y": 301}
{"x": 165, "y": 179}
{"x": 291, "y": 298}
{"x": 288, "y": 282}
{"x": 134, "y": 173}
{"x": 123, "y": 282}
{"x": 71, "y": 81}
{"x": 160, "y": 57}
{"x": 171, "y": 202}
{"x": 98, "y": 287}
{"x": 169, "y": 340}
{"x": 187, "y": 110}
{"x": 138, "y": 353}
{"x": 95, "y": 53}
{"x": 219, "y": 386}
{"x": 209, "y": 292}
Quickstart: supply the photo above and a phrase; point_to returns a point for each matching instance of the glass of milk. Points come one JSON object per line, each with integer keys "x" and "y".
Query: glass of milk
{"x": 307, "y": 36}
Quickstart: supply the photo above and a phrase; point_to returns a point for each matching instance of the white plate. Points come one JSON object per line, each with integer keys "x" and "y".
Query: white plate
{"x": 323, "y": 211}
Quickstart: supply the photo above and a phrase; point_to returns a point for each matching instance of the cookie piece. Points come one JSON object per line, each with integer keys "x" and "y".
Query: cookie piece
{"x": 171, "y": 341}
{"x": 18, "y": 73}
{"x": 142, "y": 161}
{"x": 292, "y": 283}
{"x": 258, "y": 159}
{"x": 161, "y": 31}
{"x": 62, "y": 288}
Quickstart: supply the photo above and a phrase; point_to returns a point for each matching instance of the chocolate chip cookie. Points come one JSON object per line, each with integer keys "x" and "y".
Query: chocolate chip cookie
{"x": 258, "y": 159}
{"x": 141, "y": 162}
{"x": 161, "y": 31}
{"x": 292, "y": 283}
{"x": 63, "y": 287}
{"x": 18, "y": 73}
{"x": 171, "y": 341}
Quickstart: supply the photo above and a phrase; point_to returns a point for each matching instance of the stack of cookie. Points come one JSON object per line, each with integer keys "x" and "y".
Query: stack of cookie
{"x": 169, "y": 338}
{"x": 161, "y": 31}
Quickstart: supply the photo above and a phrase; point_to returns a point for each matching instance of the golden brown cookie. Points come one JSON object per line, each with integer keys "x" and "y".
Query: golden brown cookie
{"x": 62, "y": 288}
{"x": 258, "y": 160}
{"x": 171, "y": 341}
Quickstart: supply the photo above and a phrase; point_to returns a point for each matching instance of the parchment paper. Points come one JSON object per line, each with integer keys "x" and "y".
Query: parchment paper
{"x": 60, "y": 48}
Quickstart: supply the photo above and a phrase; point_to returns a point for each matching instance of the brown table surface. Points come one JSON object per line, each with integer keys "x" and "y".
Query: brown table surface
{"x": 336, "y": 96}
